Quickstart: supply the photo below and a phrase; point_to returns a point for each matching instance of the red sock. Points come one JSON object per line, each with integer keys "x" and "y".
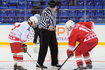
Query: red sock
{"x": 18, "y": 58}
{"x": 79, "y": 62}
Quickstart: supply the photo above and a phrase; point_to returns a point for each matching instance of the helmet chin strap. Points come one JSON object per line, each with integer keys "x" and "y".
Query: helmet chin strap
{"x": 70, "y": 28}
{"x": 29, "y": 22}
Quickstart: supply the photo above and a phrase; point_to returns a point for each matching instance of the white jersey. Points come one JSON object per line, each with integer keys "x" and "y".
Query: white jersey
{"x": 20, "y": 32}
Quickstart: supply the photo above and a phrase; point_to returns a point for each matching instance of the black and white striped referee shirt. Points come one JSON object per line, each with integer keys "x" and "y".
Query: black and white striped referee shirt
{"x": 48, "y": 18}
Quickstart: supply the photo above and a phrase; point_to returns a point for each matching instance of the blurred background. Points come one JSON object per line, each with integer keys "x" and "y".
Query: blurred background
{"x": 77, "y": 10}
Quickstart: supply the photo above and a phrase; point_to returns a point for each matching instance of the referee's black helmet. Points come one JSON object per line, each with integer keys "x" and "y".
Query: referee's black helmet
{"x": 52, "y": 4}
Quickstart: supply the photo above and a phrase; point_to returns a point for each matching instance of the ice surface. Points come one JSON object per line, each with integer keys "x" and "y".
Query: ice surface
{"x": 6, "y": 60}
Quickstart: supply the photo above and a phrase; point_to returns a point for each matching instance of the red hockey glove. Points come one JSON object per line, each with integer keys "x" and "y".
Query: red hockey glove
{"x": 25, "y": 48}
{"x": 69, "y": 52}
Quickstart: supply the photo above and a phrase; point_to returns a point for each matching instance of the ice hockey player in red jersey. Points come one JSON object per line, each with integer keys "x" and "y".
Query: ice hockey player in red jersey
{"x": 83, "y": 34}
{"x": 18, "y": 37}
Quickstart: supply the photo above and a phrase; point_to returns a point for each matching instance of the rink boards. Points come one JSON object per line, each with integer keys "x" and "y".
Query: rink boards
{"x": 61, "y": 32}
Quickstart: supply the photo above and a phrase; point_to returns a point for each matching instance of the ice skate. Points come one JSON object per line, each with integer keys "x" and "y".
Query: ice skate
{"x": 20, "y": 68}
{"x": 16, "y": 67}
{"x": 89, "y": 66}
{"x": 41, "y": 67}
{"x": 80, "y": 68}
{"x": 55, "y": 67}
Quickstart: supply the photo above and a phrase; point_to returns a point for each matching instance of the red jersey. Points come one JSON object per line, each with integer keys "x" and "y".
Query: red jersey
{"x": 81, "y": 33}
{"x": 89, "y": 25}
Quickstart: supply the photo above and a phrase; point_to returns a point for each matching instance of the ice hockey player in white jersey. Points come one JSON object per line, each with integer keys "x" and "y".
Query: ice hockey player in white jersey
{"x": 18, "y": 37}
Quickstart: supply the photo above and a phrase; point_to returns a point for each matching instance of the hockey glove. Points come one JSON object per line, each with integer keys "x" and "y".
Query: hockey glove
{"x": 70, "y": 53}
{"x": 25, "y": 48}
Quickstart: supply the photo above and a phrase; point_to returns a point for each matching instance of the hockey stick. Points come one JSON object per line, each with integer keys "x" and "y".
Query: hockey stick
{"x": 33, "y": 60}
{"x": 67, "y": 58}
{"x": 30, "y": 55}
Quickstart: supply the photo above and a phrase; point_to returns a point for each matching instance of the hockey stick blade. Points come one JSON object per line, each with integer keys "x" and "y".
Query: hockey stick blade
{"x": 65, "y": 61}
{"x": 34, "y": 60}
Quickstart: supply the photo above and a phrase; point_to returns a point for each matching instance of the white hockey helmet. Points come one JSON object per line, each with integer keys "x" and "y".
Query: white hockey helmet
{"x": 69, "y": 24}
{"x": 33, "y": 20}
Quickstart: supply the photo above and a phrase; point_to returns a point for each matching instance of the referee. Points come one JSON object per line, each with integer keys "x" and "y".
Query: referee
{"x": 48, "y": 36}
